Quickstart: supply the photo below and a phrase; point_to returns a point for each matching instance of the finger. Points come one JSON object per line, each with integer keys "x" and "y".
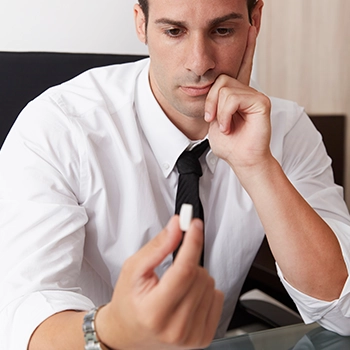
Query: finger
{"x": 183, "y": 317}
{"x": 200, "y": 312}
{"x": 201, "y": 324}
{"x": 211, "y": 103}
{"x": 155, "y": 251}
{"x": 180, "y": 276}
{"x": 227, "y": 106}
{"x": 245, "y": 70}
{"x": 212, "y": 100}
{"x": 213, "y": 317}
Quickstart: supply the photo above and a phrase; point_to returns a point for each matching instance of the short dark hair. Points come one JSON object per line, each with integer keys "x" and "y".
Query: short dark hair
{"x": 145, "y": 8}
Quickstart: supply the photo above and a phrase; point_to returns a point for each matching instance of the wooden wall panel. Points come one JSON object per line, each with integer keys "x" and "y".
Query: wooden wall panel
{"x": 303, "y": 55}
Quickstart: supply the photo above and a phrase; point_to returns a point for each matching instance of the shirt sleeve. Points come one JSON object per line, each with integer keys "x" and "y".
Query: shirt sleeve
{"x": 42, "y": 225}
{"x": 308, "y": 167}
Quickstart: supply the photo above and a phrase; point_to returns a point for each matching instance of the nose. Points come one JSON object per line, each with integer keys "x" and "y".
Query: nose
{"x": 200, "y": 55}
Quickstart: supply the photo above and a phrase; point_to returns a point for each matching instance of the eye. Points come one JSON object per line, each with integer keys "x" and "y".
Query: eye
{"x": 174, "y": 32}
{"x": 223, "y": 31}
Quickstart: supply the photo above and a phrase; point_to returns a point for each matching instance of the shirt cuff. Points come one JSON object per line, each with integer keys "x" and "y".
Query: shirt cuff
{"x": 333, "y": 315}
{"x": 24, "y": 315}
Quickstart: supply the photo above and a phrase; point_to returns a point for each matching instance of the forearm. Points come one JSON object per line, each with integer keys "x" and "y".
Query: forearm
{"x": 303, "y": 245}
{"x": 60, "y": 331}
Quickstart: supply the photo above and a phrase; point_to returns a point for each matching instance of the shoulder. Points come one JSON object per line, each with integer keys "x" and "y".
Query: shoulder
{"x": 287, "y": 116}
{"x": 109, "y": 87}
{"x": 284, "y": 113}
{"x": 294, "y": 136}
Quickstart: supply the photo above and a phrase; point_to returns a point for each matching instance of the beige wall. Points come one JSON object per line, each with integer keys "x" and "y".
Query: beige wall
{"x": 304, "y": 55}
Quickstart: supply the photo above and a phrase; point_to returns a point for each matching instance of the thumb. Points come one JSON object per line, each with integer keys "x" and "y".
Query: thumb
{"x": 156, "y": 250}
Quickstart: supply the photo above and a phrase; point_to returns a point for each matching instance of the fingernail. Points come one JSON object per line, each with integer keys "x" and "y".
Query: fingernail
{"x": 207, "y": 116}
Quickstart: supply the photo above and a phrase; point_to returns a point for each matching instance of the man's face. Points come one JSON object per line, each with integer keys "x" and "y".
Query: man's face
{"x": 190, "y": 44}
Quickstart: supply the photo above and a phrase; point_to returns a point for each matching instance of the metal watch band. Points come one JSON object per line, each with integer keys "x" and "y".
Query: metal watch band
{"x": 90, "y": 336}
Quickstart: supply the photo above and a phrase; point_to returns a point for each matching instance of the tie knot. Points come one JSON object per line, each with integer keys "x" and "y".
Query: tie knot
{"x": 188, "y": 162}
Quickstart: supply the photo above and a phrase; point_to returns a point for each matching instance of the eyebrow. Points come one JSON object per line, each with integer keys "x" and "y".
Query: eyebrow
{"x": 233, "y": 15}
{"x": 213, "y": 22}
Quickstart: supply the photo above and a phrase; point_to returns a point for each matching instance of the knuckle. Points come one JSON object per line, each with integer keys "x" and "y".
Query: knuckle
{"x": 176, "y": 335}
{"x": 203, "y": 273}
{"x": 224, "y": 92}
{"x": 264, "y": 99}
{"x": 128, "y": 265}
{"x": 210, "y": 283}
{"x": 152, "y": 322}
{"x": 222, "y": 79}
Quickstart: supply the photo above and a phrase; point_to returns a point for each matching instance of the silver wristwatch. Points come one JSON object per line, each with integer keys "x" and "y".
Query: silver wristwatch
{"x": 90, "y": 336}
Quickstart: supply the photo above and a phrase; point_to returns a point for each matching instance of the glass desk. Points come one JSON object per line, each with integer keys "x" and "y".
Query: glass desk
{"x": 296, "y": 337}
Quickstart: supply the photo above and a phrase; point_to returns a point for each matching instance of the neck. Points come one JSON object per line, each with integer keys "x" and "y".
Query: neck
{"x": 194, "y": 127}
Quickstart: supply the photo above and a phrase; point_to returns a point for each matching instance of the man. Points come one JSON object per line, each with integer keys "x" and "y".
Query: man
{"x": 95, "y": 181}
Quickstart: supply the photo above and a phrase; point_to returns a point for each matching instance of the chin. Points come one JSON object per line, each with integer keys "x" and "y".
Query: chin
{"x": 192, "y": 111}
{"x": 194, "y": 114}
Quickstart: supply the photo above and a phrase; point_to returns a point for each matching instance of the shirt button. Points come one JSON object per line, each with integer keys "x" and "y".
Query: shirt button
{"x": 166, "y": 166}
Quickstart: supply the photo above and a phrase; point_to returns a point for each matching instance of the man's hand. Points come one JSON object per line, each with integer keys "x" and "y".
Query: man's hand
{"x": 181, "y": 310}
{"x": 239, "y": 116}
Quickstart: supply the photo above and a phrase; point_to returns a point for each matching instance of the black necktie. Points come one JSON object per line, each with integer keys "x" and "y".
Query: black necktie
{"x": 190, "y": 171}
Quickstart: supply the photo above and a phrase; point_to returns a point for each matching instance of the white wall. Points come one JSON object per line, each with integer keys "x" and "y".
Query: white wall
{"x": 103, "y": 26}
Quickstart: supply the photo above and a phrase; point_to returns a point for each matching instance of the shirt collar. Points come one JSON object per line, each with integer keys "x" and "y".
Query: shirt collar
{"x": 165, "y": 139}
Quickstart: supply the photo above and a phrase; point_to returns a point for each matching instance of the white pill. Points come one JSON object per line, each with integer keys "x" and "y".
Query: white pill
{"x": 186, "y": 213}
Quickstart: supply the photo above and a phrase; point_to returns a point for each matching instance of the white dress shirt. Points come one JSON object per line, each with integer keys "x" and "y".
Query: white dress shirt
{"x": 87, "y": 177}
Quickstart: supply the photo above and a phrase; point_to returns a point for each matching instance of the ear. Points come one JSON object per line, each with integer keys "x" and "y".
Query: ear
{"x": 257, "y": 14}
{"x": 140, "y": 23}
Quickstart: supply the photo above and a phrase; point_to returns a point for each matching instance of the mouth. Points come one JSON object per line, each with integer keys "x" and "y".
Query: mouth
{"x": 196, "y": 91}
